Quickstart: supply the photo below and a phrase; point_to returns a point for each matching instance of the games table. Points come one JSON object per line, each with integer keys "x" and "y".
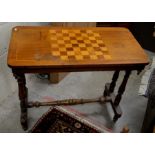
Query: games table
{"x": 37, "y": 49}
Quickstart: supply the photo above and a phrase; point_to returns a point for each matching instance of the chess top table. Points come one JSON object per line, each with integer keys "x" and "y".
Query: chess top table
{"x": 53, "y": 49}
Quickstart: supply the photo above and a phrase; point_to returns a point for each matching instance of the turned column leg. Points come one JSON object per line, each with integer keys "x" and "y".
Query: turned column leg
{"x": 109, "y": 88}
{"x": 22, "y": 91}
{"x": 120, "y": 92}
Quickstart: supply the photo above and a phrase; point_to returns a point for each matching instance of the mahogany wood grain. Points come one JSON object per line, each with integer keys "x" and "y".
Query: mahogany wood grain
{"x": 30, "y": 47}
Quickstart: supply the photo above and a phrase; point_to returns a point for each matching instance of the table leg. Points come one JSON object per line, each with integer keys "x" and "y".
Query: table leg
{"x": 22, "y": 97}
{"x": 120, "y": 93}
{"x": 109, "y": 89}
{"x": 122, "y": 88}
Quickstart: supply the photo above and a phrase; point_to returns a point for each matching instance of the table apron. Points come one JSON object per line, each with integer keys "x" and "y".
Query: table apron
{"x": 72, "y": 69}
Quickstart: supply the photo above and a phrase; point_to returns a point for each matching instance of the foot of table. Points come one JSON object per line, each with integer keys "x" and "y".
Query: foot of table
{"x": 23, "y": 98}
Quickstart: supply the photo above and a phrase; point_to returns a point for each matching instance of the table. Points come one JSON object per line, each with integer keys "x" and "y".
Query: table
{"x": 55, "y": 49}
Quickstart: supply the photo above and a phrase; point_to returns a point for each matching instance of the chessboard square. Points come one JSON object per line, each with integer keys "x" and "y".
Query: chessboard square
{"x": 64, "y": 31}
{"x": 61, "y": 41}
{"x": 99, "y": 41}
{"x": 90, "y": 49}
{"x": 56, "y": 53}
{"x": 87, "y": 41}
{"x": 84, "y": 35}
{"x": 69, "y": 49}
{"x": 59, "y": 34}
{"x": 64, "y": 57}
{"x": 72, "y": 34}
{"x": 91, "y": 35}
{"x": 83, "y": 48}
{"x": 94, "y": 42}
{"x": 82, "y": 45}
{"x": 80, "y": 41}
{"x": 98, "y": 53}
{"x": 86, "y": 57}
{"x": 93, "y": 57}
{"x": 67, "y": 42}
{"x": 83, "y": 31}
{"x": 79, "y": 57}
{"x": 68, "y": 45}
{"x": 92, "y": 38}
{"x": 107, "y": 57}
{"x": 104, "y": 49}
{"x": 79, "y": 38}
{"x": 97, "y": 49}
{"x": 101, "y": 45}
{"x": 77, "y": 49}
{"x": 66, "y": 38}
{"x": 84, "y": 53}
{"x": 65, "y": 34}
{"x": 63, "y": 53}
{"x": 62, "y": 49}
{"x": 95, "y": 45}
{"x": 72, "y": 38}
{"x": 70, "y": 53}
{"x": 75, "y": 45}
{"x": 88, "y": 45}
{"x": 74, "y": 41}
{"x": 61, "y": 45}
{"x": 78, "y": 35}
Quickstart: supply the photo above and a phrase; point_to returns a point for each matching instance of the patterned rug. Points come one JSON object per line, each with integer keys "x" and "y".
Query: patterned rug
{"x": 60, "y": 120}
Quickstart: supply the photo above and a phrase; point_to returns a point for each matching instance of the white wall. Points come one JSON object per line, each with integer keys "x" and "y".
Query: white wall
{"x": 7, "y": 82}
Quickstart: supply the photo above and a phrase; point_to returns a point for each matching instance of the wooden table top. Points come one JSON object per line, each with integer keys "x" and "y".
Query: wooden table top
{"x": 56, "y": 47}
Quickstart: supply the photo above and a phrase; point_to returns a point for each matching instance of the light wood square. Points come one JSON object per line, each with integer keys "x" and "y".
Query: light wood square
{"x": 71, "y": 53}
{"x": 56, "y": 53}
{"x": 79, "y": 57}
{"x": 74, "y": 41}
{"x": 98, "y": 53}
{"x": 82, "y": 45}
{"x": 95, "y": 45}
{"x": 85, "y": 53}
{"x": 72, "y": 34}
{"x": 87, "y": 41}
{"x": 62, "y": 49}
{"x": 66, "y": 38}
{"x": 92, "y": 38}
{"x": 68, "y": 45}
{"x": 76, "y": 49}
{"x": 93, "y": 57}
{"x": 90, "y": 49}
{"x": 99, "y": 41}
{"x": 79, "y": 38}
{"x": 64, "y": 57}
{"x": 64, "y": 31}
